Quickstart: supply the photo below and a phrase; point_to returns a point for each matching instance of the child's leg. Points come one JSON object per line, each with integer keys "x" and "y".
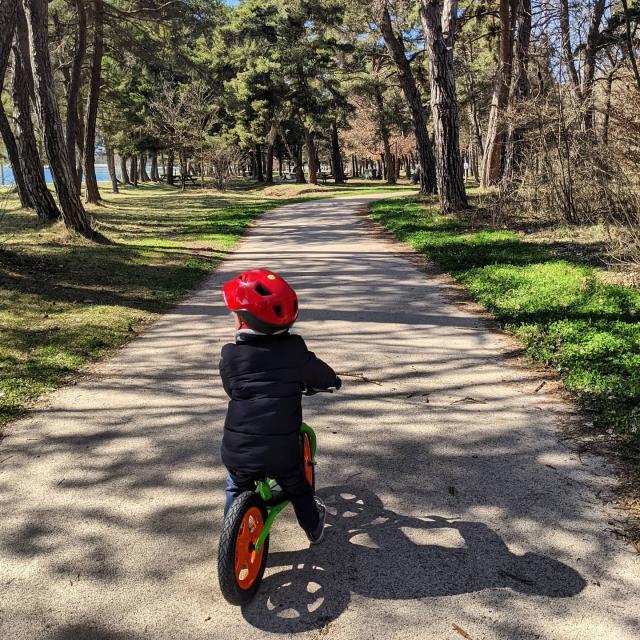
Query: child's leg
{"x": 237, "y": 483}
{"x": 300, "y": 493}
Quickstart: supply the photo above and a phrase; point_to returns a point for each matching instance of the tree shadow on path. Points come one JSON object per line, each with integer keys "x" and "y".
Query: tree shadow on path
{"x": 372, "y": 551}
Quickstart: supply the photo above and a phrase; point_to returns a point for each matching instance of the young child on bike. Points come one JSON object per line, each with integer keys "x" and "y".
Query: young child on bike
{"x": 264, "y": 373}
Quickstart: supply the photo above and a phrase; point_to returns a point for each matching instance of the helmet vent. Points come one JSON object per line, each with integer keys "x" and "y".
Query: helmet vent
{"x": 278, "y": 310}
{"x": 262, "y": 290}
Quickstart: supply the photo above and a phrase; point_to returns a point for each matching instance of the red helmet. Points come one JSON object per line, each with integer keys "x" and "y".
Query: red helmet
{"x": 264, "y": 300}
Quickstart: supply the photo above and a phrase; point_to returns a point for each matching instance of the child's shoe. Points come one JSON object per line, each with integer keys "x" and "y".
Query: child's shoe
{"x": 316, "y": 536}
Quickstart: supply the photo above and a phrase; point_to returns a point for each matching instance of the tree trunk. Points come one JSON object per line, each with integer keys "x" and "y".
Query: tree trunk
{"x": 607, "y": 107}
{"x": 30, "y": 165}
{"x": 519, "y": 86}
{"x": 438, "y": 22}
{"x": 155, "y": 177}
{"x": 184, "y": 169}
{"x": 492, "y": 160}
{"x": 310, "y": 144}
{"x": 269, "y": 167}
{"x": 111, "y": 166}
{"x": 412, "y": 95}
{"x": 80, "y": 139}
{"x": 123, "y": 170}
{"x": 73, "y": 91}
{"x": 170, "y": 161}
{"x": 567, "y": 48}
{"x": 73, "y": 214}
{"x": 144, "y": 176}
{"x": 258, "y": 163}
{"x": 14, "y": 160}
{"x": 91, "y": 193}
{"x": 279, "y": 165}
{"x": 629, "y": 37}
{"x": 589, "y": 69}
{"x": 383, "y": 130}
{"x": 472, "y": 99}
{"x": 300, "y": 179}
{"x": 336, "y": 155}
{"x": 133, "y": 170}
{"x": 8, "y": 20}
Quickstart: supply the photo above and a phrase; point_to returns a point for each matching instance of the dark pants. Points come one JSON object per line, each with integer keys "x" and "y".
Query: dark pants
{"x": 294, "y": 484}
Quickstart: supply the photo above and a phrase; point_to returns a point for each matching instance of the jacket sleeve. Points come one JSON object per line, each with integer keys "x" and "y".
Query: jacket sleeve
{"x": 316, "y": 373}
{"x": 224, "y": 374}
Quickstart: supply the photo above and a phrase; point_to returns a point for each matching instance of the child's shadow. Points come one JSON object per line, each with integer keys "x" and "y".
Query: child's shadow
{"x": 377, "y": 553}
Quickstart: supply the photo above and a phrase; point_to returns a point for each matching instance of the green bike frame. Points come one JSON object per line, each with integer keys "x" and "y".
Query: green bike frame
{"x": 265, "y": 490}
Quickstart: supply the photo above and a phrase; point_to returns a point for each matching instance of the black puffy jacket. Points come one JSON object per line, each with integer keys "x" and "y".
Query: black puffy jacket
{"x": 264, "y": 376}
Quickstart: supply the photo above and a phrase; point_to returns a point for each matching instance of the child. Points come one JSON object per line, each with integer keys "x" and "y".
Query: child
{"x": 264, "y": 374}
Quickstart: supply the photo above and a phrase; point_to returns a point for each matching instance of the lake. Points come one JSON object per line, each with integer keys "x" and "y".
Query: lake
{"x": 102, "y": 174}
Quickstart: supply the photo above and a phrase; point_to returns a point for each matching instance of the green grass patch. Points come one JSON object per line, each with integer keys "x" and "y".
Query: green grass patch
{"x": 564, "y": 314}
{"x": 65, "y": 302}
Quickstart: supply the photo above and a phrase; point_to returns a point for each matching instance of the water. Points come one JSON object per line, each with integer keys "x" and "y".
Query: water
{"x": 102, "y": 174}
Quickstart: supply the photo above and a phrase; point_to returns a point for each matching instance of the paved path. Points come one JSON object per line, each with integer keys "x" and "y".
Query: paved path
{"x": 454, "y": 509}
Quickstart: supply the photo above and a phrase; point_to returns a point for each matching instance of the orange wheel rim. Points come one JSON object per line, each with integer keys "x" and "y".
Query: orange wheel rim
{"x": 308, "y": 461}
{"x": 248, "y": 560}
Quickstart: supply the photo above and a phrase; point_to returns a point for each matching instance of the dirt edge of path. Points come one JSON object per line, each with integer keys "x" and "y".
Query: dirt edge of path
{"x": 573, "y": 429}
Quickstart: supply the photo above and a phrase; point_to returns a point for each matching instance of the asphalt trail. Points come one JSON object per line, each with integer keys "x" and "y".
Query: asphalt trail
{"x": 454, "y": 508}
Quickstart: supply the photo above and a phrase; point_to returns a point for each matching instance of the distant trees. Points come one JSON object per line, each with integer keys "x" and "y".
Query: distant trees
{"x": 524, "y": 94}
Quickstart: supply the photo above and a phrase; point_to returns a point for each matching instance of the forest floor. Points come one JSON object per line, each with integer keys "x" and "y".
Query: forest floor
{"x": 544, "y": 288}
{"x": 65, "y": 302}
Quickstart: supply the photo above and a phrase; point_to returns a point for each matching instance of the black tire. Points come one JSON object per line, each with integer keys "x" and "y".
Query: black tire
{"x": 311, "y": 467}
{"x": 233, "y": 593}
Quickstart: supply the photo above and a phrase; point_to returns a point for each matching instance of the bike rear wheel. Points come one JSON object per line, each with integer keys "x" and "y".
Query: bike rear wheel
{"x": 240, "y": 565}
{"x": 308, "y": 462}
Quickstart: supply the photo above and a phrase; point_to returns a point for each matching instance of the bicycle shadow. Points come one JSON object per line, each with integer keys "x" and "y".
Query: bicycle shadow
{"x": 369, "y": 551}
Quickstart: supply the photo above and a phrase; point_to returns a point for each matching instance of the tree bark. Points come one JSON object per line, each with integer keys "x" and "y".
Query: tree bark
{"x": 73, "y": 213}
{"x": 8, "y": 20}
{"x": 155, "y": 177}
{"x": 258, "y": 163}
{"x": 170, "y": 161}
{"x": 607, "y": 110}
{"x": 383, "y": 130}
{"x": 412, "y": 95}
{"x": 590, "y": 52}
{"x": 73, "y": 91}
{"x": 492, "y": 160}
{"x": 519, "y": 86}
{"x": 567, "y": 48}
{"x": 144, "y": 176}
{"x": 111, "y": 166}
{"x": 438, "y": 22}
{"x": 629, "y": 37}
{"x": 133, "y": 170}
{"x": 300, "y": 179}
{"x": 123, "y": 170}
{"x": 310, "y": 144}
{"x": 91, "y": 193}
{"x": 336, "y": 155}
{"x": 184, "y": 169}
{"x": 30, "y": 164}
{"x": 269, "y": 167}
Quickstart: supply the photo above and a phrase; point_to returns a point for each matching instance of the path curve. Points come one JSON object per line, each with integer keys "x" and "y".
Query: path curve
{"x": 454, "y": 509}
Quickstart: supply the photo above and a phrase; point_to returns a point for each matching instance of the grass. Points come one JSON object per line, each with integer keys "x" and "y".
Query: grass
{"x": 563, "y": 312}
{"x": 65, "y": 302}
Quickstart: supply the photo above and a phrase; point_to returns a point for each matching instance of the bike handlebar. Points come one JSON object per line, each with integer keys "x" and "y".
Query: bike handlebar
{"x": 310, "y": 391}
